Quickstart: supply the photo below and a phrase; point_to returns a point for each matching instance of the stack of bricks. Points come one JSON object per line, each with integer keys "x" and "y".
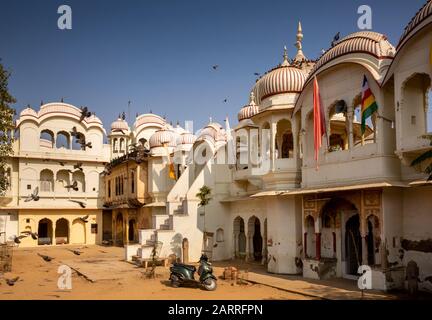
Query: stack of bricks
{"x": 231, "y": 274}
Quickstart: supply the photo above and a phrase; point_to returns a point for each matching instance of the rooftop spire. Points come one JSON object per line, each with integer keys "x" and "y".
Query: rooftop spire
{"x": 252, "y": 98}
{"x": 300, "y": 56}
{"x": 285, "y": 58}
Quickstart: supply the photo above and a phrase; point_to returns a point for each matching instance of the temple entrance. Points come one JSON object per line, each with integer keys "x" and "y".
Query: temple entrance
{"x": 255, "y": 239}
{"x": 119, "y": 230}
{"x": 239, "y": 238}
{"x": 131, "y": 232}
{"x": 45, "y": 231}
{"x": 353, "y": 248}
{"x": 62, "y": 231}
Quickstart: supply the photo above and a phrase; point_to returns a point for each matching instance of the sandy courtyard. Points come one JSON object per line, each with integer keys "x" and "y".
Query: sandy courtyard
{"x": 103, "y": 275}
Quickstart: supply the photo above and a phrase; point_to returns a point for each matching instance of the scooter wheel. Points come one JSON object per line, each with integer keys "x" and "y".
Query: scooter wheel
{"x": 175, "y": 281}
{"x": 210, "y": 284}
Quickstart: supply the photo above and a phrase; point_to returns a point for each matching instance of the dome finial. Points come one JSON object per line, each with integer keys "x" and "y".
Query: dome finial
{"x": 285, "y": 58}
{"x": 252, "y": 98}
{"x": 210, "y": 120}
{"x": 300, "y": 56}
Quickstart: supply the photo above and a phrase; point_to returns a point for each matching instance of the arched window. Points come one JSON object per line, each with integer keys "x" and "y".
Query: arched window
{"x": 284, "y": 145}
{"x": 46, "y": 181}
{"x": 219, "y": 235}
{"x": 339, "y": 138}
{"x": 115, "y": 145}
{"x": 46, "y": 139}
{"x": 79, "y": 142}
{"x": 63, "y": 140}
{"x": 62, "y": 180}
{"x": 132, "y": 181}
{"x": 79, "y": 177}
{"x": 122, "y": 145}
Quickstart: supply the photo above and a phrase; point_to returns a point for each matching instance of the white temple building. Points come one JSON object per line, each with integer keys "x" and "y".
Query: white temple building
{"x": 364, "y": 205}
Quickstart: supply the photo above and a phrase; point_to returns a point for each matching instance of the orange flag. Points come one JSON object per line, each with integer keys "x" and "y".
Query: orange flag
{"x": 319, "y": 121}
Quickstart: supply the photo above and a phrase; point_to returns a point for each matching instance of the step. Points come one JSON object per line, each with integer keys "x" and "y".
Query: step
{"x": 164, "y": 227}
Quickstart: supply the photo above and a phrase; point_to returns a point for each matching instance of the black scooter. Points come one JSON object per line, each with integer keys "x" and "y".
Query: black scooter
{"x": 183, "y": 274}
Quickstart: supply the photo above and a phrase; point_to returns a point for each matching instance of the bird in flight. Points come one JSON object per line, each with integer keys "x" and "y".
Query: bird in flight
{"x": 17, "y": 240}
{"x": 85, "y": 113}
{"x": 84, "y": 219}
{"x": 34, "y": 196}
{"x": 215, "y": 66}
{"x": 257, "y": 74}
{"x": 78, "y": 166}
{"x": 225, "y": 100}
{"x": 34, "y": 235}
{"x": 73, "y": 186}
{"x": 82, "y": 204}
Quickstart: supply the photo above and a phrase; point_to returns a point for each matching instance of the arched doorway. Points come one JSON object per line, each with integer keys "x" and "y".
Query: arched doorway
{"x": 45, "y": 232}
{"x": 309, "y": 241}
{"x": 119, "y": 230}
{"x": 62, "y": 231}
{"x": 353, "y": 247}
{"x": 78, "y": 233}
{"x": 255, "y": 239}
{"x": 265, "y": 242}
{"x": 131, "y": 231}
{"x": 239, "y": 238}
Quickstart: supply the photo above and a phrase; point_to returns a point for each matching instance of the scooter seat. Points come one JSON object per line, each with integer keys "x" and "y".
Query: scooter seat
{"x": 187, "y": 266}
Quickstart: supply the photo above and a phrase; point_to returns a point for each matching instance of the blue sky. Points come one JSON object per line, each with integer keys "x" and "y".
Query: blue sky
{"x": 158, "y": 54}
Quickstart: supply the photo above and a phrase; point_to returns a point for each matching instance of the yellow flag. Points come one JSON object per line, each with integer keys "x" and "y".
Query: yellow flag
{"x": 171, "y": 171}
{"x": 172, "y": 174}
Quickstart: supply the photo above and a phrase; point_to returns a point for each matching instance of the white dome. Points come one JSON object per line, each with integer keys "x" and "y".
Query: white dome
{"x": 163, "y": 137}
{"x": 285, "y": 78}
{"x": 249, "y": 110}
{"x": 187, "y": 138}
{"x": 119, "y": 124}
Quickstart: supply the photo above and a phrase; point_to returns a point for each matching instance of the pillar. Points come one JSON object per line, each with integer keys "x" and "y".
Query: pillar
{"x": 53, "y": 240}
{"x": 235, "y": 245}
{"x": 350, "y": 118}
{"x": 364, "y": 250}
{"x": 247, "y": 248}
{"x": 273, "y": 130}
{"x": 318, "y": 245}
{"x": 305, "y": 244}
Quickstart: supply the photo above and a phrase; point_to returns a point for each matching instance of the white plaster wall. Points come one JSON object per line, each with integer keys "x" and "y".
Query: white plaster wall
{"x": 8, "y": 224}
{"x": 284, "y": 231}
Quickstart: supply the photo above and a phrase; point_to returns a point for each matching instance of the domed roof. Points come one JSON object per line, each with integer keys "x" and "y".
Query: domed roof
{"x": 249, "y": 110}
{"x": 187, "y": 138}
{"x": 149, "y": 119}
{"x": 214, "y": 131}
{"x": 372, "y": 43}
{"x": 28, "y": 112}
{"x": 120, "y": 124}
{"x": 163, "y": 137}
{"x": 285, "y": 78}
{"x": 419, "y": 18}
{"x": 59, "y": 109}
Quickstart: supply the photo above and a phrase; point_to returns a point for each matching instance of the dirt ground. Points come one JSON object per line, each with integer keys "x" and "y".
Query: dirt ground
{"x": 103, "y": 275}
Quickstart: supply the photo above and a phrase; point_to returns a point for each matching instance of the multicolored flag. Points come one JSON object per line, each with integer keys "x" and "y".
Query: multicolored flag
{"x": 369, "y": 104}
{"x": 319, "y": 120}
